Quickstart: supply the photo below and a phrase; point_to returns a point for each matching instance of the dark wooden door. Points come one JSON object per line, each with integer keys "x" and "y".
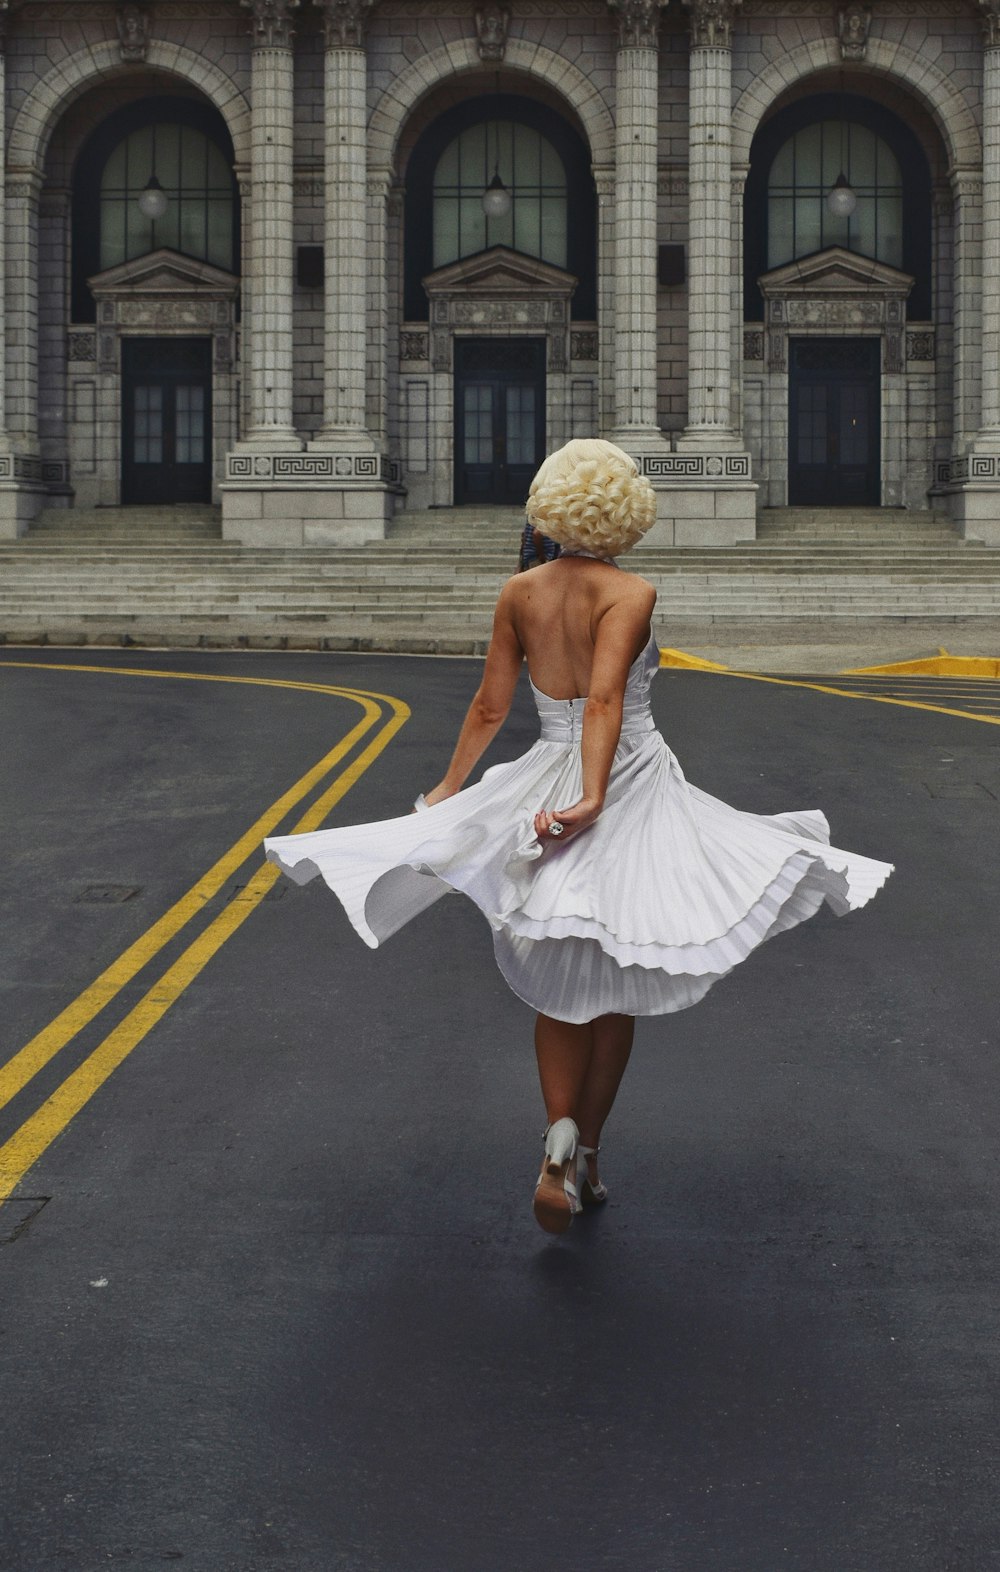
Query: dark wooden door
{"x": 499, "y": 418}
{"x": 166, "y": 420}
{"x": 834, "y": 422}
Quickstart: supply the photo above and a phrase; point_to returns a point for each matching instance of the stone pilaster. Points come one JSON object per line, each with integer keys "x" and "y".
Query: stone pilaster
{"x": 636, "y": 97}
{"x": 710, "y": 244}
{"x": 346, "y": 217}
{"x": 268, "y": 354}
{"x": 3, "y": 237}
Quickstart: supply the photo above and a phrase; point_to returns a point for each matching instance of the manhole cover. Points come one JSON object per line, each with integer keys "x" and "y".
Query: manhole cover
{"x": 108, "y": 894}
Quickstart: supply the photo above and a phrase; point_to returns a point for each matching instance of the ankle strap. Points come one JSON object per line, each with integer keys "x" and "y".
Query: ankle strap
{"x": 588, "y": 1151}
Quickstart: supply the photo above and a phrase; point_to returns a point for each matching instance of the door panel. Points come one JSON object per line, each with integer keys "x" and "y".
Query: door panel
{"x": 166, "y": 420}
{"x": 834, "y": 422}
{"x": 499, "y": 418}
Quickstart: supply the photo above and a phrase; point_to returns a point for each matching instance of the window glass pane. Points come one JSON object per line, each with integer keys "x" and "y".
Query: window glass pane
{"x": 861, "y": 163}
{"x": 530, "y": 168}
{"x": 478, "y": 413}
{"x": 809, "y": 225}
{"x": 890, "y": 230}
{"x": 197, "y": 181}
{"x": 780, "y": 233}
{"x": 521, "y": 425}
{"x": 863, "y": 226}
{"x": 808, "y": 156}
{"x": 781, "y": 169}
{"x": 147, "y": 447}
{"x": 189, "y": 443}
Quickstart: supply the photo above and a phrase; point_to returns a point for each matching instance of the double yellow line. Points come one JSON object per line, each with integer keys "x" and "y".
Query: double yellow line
{"x": 382, "y": 714}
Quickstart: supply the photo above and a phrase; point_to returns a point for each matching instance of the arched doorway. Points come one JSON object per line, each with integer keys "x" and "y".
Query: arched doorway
{"x": 492, "y": 302}
{"x": 152, "y": 299}
{"x": 840, "y": 297}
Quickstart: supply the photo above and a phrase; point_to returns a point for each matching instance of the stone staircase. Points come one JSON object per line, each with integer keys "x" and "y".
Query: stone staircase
{"x": 165, "y": 576}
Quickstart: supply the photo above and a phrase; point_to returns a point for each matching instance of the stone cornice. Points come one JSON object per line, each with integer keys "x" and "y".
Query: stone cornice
{"x": 712, "y": 23}
{"x": 271, "y": 22}
{"x": 344, "y": 22}
{"x": 638, "y": 22}
{"x": 990, "y": 18}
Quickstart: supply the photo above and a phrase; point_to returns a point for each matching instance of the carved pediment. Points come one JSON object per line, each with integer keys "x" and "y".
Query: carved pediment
{"x": 500, "y": 274}
{"x": 834, "y": 273}
{"x": 164, "y": 273}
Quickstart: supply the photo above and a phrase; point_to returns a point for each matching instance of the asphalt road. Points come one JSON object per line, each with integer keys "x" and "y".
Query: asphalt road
{"x": 272, "y": 1294}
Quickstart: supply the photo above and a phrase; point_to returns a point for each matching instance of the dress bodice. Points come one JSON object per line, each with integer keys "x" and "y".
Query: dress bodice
{"x": 562, "y": 719}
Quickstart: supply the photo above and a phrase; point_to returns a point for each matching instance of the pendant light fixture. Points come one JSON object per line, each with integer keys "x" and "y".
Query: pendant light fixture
{"x": 152, "y": 197}
{"x": 496, "y": 199}
{"x": 841, "y": 200}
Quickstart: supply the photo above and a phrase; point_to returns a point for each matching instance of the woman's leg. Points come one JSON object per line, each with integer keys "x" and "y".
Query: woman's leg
{"x": 612, "y": 1043}
{"x": 564, "y": 1054}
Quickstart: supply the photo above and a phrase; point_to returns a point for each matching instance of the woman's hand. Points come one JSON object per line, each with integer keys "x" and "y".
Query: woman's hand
{"x": 573, "y": 820}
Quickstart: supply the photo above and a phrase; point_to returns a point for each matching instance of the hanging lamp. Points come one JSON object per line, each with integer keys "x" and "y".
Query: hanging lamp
{"x": 496, "y": 199}
{"x": 152, "y": 197}
{"x": 841, "y": 199}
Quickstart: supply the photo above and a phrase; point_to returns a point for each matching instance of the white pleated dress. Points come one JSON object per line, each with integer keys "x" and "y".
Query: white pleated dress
{"x": 639, "y": 915}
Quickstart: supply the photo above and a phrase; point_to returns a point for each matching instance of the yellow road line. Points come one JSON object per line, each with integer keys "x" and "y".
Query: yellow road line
{"x": 37, "y": 1133}
{"x": 52, "y": 1038}
{"x": 869, "y": 698}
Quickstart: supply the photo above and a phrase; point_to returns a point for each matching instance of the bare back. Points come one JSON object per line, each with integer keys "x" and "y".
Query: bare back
{"x": 576, "y": 610}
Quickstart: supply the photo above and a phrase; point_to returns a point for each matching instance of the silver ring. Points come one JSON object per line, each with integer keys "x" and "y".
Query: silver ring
{"x": 555, "y": 828}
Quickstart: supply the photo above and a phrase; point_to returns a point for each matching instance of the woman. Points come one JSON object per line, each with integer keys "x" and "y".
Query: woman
{"x": 613, "y": 888}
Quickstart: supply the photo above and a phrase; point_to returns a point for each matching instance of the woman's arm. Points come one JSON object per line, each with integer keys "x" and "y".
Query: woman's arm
{"x": 623, "y": 626}
{"x": 489, "y": 709}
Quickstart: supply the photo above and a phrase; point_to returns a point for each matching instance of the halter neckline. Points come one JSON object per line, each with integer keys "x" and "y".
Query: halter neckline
{"x": 579, "y": 551}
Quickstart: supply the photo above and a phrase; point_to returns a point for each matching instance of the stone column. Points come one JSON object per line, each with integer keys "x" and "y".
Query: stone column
{"x": 271, "y": 259}
{"x": 989, "y": 435}
{"x": 710, "y": 244}
{"x": 345, "y": 71}
{"x": 636, "y": 108}
{"x": 3, "y": 238}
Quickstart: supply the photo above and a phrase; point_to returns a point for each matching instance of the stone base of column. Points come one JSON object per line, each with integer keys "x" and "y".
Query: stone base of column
{"x": 24, "y": 491}
{"x": 969, "y": 483}
{"x": 311, "y": 498}
{"x": 703, "y": 499}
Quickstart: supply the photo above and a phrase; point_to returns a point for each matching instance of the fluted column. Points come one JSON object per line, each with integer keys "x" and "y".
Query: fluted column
{"x": 710, "y": 242}
{"x": 990, "y": 416}
{"x": 271, "y": 260}
{"x": 636, "y": 110}
{"x": 344, "y": 425}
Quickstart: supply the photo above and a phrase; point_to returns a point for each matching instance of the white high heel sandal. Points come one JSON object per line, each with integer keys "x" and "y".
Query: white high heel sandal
{"x": 556, "y": 1200}
{"x": 590, "y": 1194}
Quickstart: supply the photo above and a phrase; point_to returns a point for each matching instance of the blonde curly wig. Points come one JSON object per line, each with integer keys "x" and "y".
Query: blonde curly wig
{"x": 590, "y": 494}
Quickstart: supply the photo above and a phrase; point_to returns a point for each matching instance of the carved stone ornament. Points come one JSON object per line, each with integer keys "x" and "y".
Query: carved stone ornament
{"x": 712, "y": 23}
{"x": 991, "y": 22}
{"x": 271, "y": 22}
{"x": 492, "y": 22}
{"x": 344, "y": 22}
{"x": 133, "y": 33}
{"x": 853, "y": 25}
{"x": 638, "y": 22}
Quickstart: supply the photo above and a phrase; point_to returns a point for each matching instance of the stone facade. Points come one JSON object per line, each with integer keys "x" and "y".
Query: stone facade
{"x": 332, "y": 384}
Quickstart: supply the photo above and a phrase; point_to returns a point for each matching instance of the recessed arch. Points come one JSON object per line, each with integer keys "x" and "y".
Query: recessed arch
{"x": 51, "y": 96}
{"x": 929, "y": 85}
{"x": 422, "y": 76}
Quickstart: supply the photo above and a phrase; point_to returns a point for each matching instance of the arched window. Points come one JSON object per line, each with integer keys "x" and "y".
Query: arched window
{"x": 185, "y": 143}
{"x": 197, "y": 183}
{"x": 801, "y": 176}
{"x": 533, "y": 173}
{"x": 795, "y": 160}
{"x": 544, "y": 163}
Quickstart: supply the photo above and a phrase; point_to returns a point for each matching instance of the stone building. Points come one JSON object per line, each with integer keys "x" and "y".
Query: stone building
{"x": 248, "y": 259}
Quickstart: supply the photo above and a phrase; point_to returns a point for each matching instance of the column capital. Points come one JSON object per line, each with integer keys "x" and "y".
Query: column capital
{"x": 344, "y": 22}
{"x": 271, "y": 22}
{"x": 990, "y": 19}
{"x": 638, "y": 22}
{"x": 712, "y": 22}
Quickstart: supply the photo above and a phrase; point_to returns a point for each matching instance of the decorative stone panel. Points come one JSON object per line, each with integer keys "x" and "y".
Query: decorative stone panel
{"x": 753, "y": 344}
{"x": 836, "y": 292}
{"x": 311, "y": 468}
{"x": 584, "y": 345}
{"x": 502, "y": 292}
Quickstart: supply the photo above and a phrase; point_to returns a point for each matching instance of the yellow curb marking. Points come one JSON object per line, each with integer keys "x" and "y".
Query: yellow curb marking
{"x": 47, "y": 1043}
{"x": 694, "y": 663}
